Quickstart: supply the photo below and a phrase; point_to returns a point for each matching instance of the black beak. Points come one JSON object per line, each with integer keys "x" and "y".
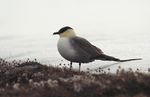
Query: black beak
{"x": 55, "y": 33}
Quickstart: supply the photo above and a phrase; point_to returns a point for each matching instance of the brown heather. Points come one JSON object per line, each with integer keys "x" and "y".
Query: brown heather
{"x": 32, "y": 79}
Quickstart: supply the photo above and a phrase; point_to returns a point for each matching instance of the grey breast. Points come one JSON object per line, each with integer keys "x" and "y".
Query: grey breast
{"x": 86, "y": 52}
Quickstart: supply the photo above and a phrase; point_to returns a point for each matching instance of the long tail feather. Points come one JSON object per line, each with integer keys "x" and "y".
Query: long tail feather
{"x": 110, "y": 58}
{"x": 130, "y": 60}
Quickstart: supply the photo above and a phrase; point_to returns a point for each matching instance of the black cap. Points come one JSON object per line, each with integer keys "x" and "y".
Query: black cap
{"x": 62, "y": 30}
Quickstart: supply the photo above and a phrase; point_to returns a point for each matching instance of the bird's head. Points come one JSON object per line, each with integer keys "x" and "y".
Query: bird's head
{"x": 65, "y": 32}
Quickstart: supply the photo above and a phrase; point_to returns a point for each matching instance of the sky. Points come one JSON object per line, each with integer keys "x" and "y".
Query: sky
{"x": 19, "y": 17}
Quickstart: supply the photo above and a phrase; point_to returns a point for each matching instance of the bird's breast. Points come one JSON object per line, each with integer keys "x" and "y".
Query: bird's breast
{"x": 66, "y": 49}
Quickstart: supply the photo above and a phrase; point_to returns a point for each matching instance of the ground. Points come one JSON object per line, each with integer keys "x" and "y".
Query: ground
{"x": 32, "y": 79}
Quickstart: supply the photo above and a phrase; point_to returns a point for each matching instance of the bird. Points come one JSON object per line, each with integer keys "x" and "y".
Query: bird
{"x": 79, "y": 50}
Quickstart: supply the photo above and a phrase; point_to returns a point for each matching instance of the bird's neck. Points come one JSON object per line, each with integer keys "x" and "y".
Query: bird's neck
{"x": 68, "y": 33}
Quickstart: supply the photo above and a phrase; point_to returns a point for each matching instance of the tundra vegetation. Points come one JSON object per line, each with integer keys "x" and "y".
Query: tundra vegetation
{"x": 32, "y": 79}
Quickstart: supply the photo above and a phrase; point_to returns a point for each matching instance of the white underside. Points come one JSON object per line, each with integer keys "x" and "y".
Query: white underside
{"x": 65, "y": 49}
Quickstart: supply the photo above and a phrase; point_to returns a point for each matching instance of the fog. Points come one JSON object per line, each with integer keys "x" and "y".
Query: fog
{"x": 87, "y": 16}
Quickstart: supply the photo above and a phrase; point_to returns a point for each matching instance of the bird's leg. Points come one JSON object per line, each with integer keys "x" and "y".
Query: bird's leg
{"x": 70, "y": 65}
{"x": 79, "y": 66}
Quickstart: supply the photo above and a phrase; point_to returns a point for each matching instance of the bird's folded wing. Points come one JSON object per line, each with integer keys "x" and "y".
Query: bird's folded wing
{"x": 86, "y": 46}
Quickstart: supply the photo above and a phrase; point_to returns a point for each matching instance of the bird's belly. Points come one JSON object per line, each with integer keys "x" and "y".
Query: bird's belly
{"x": 66, "y": 50}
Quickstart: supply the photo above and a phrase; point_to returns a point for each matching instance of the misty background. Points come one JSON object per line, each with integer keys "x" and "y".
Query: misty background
{"x": 121, "y": 28}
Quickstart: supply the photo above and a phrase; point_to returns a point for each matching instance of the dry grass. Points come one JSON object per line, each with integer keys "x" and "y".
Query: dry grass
{"x": 32, "y": 79}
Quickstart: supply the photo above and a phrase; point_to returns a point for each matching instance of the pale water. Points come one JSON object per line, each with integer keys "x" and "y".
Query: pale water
{"x": 43, "y": 47}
